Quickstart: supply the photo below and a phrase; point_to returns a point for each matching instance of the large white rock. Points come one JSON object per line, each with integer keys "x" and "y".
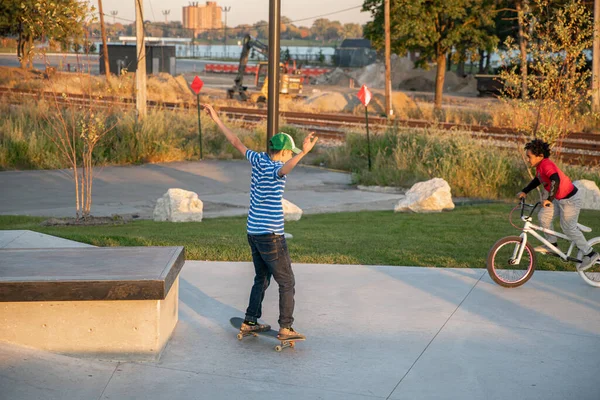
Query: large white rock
{"x": 291, "y": 212}
{"x": 429, "y": 196}
{"x": 590, "y": 193}
{"x": 178, "y": 205}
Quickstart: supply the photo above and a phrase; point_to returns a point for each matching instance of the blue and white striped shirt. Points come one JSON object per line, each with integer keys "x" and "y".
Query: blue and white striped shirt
{"x": 266, "y": 192}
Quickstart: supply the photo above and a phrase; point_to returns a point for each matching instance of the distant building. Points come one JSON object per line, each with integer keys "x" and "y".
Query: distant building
{"x": 201, "y": 18}
{"x": 354, "y": 53}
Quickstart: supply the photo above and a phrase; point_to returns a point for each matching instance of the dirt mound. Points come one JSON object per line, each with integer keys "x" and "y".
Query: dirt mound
{"x": 404, "y": 77}
{"x": 336, "y": 101}
{"x": 469, "y": 86}
{"x": 337, "y": 77}
{"x": 162, "y": 87}
{"x": 418, "y": 84}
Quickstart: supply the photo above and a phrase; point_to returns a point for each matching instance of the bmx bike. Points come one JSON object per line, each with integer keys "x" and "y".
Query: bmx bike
{"x": 512, "y": 260}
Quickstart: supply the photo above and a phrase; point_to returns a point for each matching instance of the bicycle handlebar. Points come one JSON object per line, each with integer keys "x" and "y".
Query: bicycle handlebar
{"x": 532, "y": 206}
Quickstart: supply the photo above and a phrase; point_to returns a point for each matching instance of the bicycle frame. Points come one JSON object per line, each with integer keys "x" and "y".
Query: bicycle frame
{"x": 531, "y": 228}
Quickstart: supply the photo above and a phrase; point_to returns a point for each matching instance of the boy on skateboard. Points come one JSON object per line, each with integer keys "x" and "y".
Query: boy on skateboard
{"x": 559, "y": 197}
{"x": 265, "y": 224}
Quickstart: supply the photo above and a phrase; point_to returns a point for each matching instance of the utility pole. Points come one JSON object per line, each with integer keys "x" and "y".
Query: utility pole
{"x": 166, "y": 14}
{"x": 104, "y": 45}
{"x": 140, "y": 73}
{"x": 225, "y": 11}
{"x": 596, "y": 59}
{"x": 273, "y": 74}
{"x": 388, "y": 61}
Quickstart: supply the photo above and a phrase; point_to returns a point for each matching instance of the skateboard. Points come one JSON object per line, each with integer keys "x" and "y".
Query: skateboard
{"x": 236, "y": 322}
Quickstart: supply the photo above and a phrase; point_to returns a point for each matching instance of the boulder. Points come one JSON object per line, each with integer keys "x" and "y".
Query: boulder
{"x": 590, "y": 194}
{"x": 178, "y": 205}
{"x": 429, "y": 196}
{"x": 291, "y": 212}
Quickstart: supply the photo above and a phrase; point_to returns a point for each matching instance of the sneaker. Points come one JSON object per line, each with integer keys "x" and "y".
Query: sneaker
{"x": 545, "y": 249}
{"x": 254, "y": 327}
{"x": 289, "y": 333}
{"x": 588, "y": 261}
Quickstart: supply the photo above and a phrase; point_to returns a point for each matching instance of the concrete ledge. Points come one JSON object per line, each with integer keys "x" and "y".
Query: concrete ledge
{"x": 116, "y": 303}
{"x": 122, "y": 330}
{"x": 100, "y": 273}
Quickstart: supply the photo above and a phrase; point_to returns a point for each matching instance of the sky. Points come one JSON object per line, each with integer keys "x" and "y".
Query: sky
{"x": 243, "y": 11}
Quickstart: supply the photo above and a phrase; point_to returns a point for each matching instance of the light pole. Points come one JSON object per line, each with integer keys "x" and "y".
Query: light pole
{"x": 225, "y": 10}
{"x": 140, "y": 72}
{"x": 104, "y": 46}
{"x": 596, "y": 59}
{"x": 388, "y": 67}
{"x": 114, "y": 14}
{"x": 273, "y": 69}
{"x": 166, "y": 14}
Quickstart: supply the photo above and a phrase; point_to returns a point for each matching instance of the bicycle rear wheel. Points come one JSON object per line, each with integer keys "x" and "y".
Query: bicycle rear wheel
{"x": 502, "y": 266}
{"x": 591, "y": 275}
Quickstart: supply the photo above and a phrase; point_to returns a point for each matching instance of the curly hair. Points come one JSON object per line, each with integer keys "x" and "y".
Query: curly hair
{"x": 538, "y": 148}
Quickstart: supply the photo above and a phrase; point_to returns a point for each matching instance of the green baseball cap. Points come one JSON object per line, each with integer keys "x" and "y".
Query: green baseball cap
{"x": 283, "y": 141}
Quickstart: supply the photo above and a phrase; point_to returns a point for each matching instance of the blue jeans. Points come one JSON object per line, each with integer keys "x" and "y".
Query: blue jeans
{"x": 271, "y": 258}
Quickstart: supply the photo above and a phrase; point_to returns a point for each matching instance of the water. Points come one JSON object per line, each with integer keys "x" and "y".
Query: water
{"x": 298, "y": 53}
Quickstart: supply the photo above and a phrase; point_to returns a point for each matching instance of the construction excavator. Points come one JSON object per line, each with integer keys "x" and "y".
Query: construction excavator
{"x": 290, "y": 81}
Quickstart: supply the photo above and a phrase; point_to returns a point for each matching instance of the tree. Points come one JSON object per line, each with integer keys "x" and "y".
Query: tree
{"x": 293, "y": 32}
{"x": 244, "y": 29}
{"x": 262, "y": 28}
{"x": 558, "y": 80}
{"x": 285, "y": 24}
{"x": 505, "y": 25}
{"x": 515, "y": 16}
{"x": 432, "y": 27}
{"x": 321, "y": 56}
{"x": 319, "y": 28}
{"x": 153, "y": 29}
{"x": 334, "y": 31}
{"x": 352, "y": 31}
{"x": 473, "y": 47}
{"x": 32, "y": 20}
{"x": 75, "y": 126}
{"x": 76, "y": 129}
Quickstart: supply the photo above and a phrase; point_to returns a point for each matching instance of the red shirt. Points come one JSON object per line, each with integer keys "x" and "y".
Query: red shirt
{"x": 545, "y": 169}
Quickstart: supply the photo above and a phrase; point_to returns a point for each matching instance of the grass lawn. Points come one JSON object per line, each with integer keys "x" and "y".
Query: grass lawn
{"x": 460, "y": 238}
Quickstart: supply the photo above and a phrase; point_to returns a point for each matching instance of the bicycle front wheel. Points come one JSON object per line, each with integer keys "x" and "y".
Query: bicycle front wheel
{"x": 502, "y": 264}
{"x": 592, "y": 274}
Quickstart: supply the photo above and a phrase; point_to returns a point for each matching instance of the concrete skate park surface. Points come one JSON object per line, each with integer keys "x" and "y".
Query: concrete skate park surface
{"x": 374, "y": 332}
{"x": 223, "y": 186}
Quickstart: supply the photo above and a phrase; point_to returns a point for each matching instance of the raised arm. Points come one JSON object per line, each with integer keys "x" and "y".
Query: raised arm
{"x": 231, "y": 137}
{"x": 307, "y": 145}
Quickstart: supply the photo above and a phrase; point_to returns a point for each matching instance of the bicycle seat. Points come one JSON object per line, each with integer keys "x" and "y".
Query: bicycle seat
{"x": 584, "y": 228}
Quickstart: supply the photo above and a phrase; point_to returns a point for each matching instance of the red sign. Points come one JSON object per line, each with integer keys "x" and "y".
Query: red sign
{"x": 197, "y": 85}
{"x": 364, "y": 95}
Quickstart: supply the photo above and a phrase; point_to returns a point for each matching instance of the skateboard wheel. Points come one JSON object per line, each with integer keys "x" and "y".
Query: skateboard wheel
{"x": 278, "y": 348}
{"x": 240, "y": 336}
{"x": 292, "y": 344}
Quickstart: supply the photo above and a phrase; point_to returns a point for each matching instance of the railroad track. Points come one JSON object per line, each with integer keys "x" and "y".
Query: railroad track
{"x": 576, "y": 147}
